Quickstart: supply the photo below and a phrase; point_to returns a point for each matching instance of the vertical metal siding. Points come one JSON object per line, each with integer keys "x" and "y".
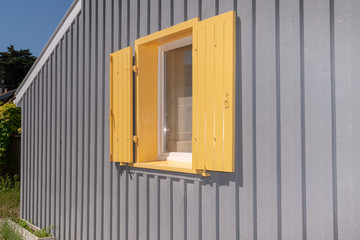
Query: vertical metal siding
{"x": 297, "y": 130}
{"x": 347, "y": 117}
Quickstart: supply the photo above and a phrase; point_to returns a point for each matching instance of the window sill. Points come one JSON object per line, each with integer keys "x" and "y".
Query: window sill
{"x": 185, "y": 167}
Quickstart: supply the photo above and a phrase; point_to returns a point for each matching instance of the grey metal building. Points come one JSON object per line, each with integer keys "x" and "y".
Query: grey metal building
{"x": 297, "y": 128}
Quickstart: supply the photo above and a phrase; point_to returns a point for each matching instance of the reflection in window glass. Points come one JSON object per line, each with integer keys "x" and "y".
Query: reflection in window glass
{"x": 178, "y": 100}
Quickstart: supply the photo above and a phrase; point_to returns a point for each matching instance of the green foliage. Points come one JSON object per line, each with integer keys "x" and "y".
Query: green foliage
{"x": 21, "y": 223}
{"x": 9, "y": 197}
{"x": 7, "y": 183}
{"x": 14, "y": 65}
{"x": 45, "y": 232}
{"x": 8, "y": 232}
{"x": 10, "y": 123}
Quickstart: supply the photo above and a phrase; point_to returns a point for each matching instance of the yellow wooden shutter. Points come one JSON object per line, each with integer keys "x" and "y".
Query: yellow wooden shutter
{"x": 214, "y": 93}
{"x": 121, "y": 106}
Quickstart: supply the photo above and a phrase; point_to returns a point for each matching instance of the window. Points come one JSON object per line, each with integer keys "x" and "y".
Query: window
{"x": 175, "y": 101}
{"x": 184, "y": 98}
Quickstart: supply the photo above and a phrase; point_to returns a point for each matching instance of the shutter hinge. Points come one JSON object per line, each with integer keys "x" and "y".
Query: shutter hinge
{"x": 111, "y": 120}
{"x": 204, "y": 173}
{"x": 135, "y": 68}
{"x": 135, "y": 139}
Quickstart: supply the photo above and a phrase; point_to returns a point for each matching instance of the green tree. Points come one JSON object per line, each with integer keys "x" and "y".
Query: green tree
{"x": 10, "y": 123}
{"x": 14, "y": 66}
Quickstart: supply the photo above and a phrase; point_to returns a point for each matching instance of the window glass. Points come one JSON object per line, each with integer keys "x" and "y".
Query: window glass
{"x": 178, "y": 100}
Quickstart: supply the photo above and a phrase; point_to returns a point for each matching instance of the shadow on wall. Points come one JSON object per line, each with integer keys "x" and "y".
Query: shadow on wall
{"x": 13, "y": 157}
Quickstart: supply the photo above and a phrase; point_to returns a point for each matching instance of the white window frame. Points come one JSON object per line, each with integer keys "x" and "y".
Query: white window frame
{"x": 169, "y": 156}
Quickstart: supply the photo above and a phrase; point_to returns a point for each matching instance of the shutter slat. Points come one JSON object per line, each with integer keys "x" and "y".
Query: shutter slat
{"x": 199, "y": 94}
{"x": 229, "y": 88}
{"x": 121, "y": 106}
{"x": 219, "y": 95}
{"x": 209, "y": 93}
{"x": 214, "y": 93}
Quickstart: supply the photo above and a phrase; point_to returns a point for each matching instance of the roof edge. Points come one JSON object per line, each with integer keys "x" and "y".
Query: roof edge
{"x": 55, "y": 38}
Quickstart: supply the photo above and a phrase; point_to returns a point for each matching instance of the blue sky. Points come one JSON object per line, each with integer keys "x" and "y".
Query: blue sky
{"x": 28, "y": 24}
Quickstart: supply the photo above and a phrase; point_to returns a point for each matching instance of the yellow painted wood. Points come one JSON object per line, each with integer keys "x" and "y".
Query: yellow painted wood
{"x": 229, "y": 93}
{"x": 146, "y": 103}
{"x": 196, "y": 161}
{"x": 146, "y": 57}
{"x": 121, "y": 106}
{"x": 214, "y": 93}
{"x": 209, "y": 83}
{"x": 199, "y": 94}
{"x": 168, "y": 166}
{"x": 170, "y": 34}
{"x": 219, "y": 96}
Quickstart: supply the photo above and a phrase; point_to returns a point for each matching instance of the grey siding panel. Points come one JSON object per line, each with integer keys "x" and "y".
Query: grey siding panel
{"x": 37, "y": 152}
{"x": 41, "y": 152}
{"x": 100, "y": 121}
{"x": 44, "y": 146}
{"x": 69, "y": 131}
{"x": 107, "y": 48}
{"x": 63, "y": 133}
{"x": 355, "y": 71}
{"x": 142, "y": 203}
{"x": 48, "y": 158}
{"x": 245, "y": 85}
{"x": 28, "y": 156}
{"x": 124, "y": 39}
{"x": 32, "y": 154}
{"x": 80, "y": 129}
{"x": 58, "y": 169}
{"x": 53, "y": 152}
{"x": 87, "y": 119}
{"x": 73, "y": 132}
{"x": 155, "y": 15}
{"x": 144, "y": 23}
{"x": 318, "y": 121}
{"x": 266, "y": 120}
{"x": 93, "y": 98}
{"x": 35, "y": 172}
{"x": 153, "y": 211}
{"x": 23, "y": 167}
{"x": 164, "y": 210}
{"x": 290, "y": 121}
{"x": 165, "y": 13}
{"x": 192, "y": 9}
{"x": 179, "y": 11}
{"x": 192, "y": 212}
{"x": 25, "y": 140}
{"x": 347, "y": 104}
{"x": 22, "y": 164}
{"x": 112, "y": 38}
{"x": 297, "y": 130}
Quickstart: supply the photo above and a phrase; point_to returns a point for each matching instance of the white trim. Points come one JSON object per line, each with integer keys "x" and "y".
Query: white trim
{"x": 176, "y": 157}
{"x": 69, "y": 18}
{"x": 176, "y": 44}
{"x": 172, "y": 156}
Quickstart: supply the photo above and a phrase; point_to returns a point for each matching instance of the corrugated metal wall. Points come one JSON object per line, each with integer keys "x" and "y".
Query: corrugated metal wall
{"x": 298, "y": 129}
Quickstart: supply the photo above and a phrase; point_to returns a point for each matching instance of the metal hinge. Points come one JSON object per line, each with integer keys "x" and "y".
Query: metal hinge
{"x": 204, "y": 173}
{"x": 111, "y": 118}
{"x": 135, "y": 68}
{"x": 135, "y": 139}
